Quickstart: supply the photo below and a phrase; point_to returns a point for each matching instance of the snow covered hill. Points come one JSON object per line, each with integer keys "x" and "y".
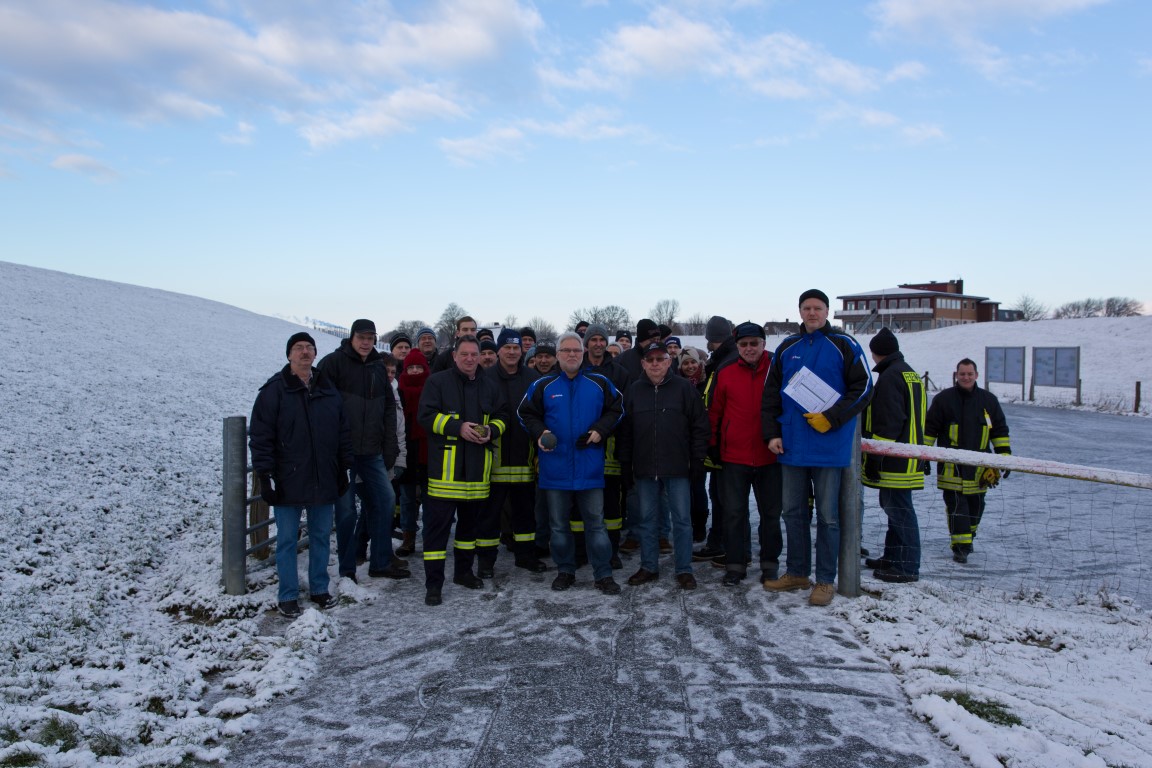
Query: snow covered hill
{"x": 116, "y": 641}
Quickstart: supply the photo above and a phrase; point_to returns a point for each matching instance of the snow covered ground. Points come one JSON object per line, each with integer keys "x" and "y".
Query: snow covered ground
{"x": 118, "y": 647}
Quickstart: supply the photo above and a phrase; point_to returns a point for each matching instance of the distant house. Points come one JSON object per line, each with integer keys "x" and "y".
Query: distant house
{"x": 914, "y": 307}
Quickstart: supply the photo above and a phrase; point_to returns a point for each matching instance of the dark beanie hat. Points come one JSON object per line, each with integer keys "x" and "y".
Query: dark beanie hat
{"x": 487, "y": 344}
{"x": 485, "y": 333}
{"x": 717, "y": 329}
{"x": 363, "y": 326}
{"x": 623, "y": 334}
{"x": 399, "y": 337}
{"x": 527, "y": 331}
{"x": 748, "y": 328}
{"x": 596, "y": 329}
{"x": 664, "y": 330}
{"x": 508, "y": 336}
{"x": 884, "y": 343}
{"x": 645, "y": 330}
{"x": 814, "y": 293}
{"x": 297, "y": 337}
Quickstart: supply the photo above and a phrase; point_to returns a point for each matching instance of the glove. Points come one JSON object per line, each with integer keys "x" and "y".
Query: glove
{"x": 714, "y": 455}
{"x": 398, "y": 474}
{"x": 872, "y": 468}
{"x": 269, "y": 492}
{"x": 818, "y": 422}
{"x": 342, "y": 482}
{"x": 926, "y": 467}
{"x": 1005, "y": 475}
{"x": 990, "y": 477}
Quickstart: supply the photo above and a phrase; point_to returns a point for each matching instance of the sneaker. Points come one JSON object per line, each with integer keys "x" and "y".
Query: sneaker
{"x": 822, "y": 594}
{"x": 468, "y": 580}
{"x": 894, "y": 577}
{"x": 324, "y": 601}
{"x": 732, "y": 579}
{"x": 720, "y": 561}
{"x": 563, "y": 581}
{"x": 534, "y": 566}
{"x": 391, "y": 572}
{"x": 433, "y": 596}
{"x": 875, "y": 562}
{"x": 607, "y": 585}
{"x": 641, "y": 576}
{"x": 960, "y": 556}
{"x": 706, "y": 553}
{"x": 665, "y": 547}
{"x": 616, "y": 563}
{"x": 289, "y": 609}
{"x": 485, "y": 571}
{"x": 629, "y": 545}
{"x": 686, "y": 580}
{"x": 787, "y": 582}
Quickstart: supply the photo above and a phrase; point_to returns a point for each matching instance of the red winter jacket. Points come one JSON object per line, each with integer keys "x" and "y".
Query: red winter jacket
{"x": 735, "y": 412}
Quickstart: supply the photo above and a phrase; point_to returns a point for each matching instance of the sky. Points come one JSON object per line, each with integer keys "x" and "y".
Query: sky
{"x": 383, "y": 159}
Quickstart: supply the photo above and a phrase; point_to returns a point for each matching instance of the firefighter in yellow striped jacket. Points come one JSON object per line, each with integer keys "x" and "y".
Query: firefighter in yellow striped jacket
{"x": 463, "y": 411}
{"x": 970, "y": 418}
{"x": 896, "y": 414}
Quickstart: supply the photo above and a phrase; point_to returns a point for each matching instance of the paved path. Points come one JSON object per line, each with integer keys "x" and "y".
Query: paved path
{"x": 518, "y": 675}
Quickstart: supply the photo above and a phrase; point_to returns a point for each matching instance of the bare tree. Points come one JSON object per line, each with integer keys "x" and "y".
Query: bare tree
{"x": 611, "y": 316}
{"x": 694, "y": 326}
{"x": 1122, "y": 306}
{"x": 1083, "y": 308}
{"x": 409, "y": 328}
{"x": 545, "y": 331}
{"x": 1031, "y": 308}
{"x": 665, "y": 311}
{"x": 510, "y": 321}
{"x": 446, "y": 325}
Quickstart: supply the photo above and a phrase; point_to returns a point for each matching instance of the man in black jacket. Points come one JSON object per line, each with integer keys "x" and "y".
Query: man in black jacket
{"x": 664, "y": 437}
{"x": 357, "y": 371}
{"x": 301, "y": 451}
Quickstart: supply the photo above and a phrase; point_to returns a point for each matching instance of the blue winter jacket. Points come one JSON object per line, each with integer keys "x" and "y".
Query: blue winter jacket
{"x": 839, "y": 361}
{"x": 569, "y": 408}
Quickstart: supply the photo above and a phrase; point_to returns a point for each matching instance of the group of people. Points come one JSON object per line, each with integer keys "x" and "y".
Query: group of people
{"x": 575, "y": 451}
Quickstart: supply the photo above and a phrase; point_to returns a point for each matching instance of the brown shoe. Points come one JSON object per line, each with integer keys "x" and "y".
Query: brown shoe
{"x": 629, "y": 545}
{"x": 786, "y": 583}
{"x": 686, "y": 580}
{"x": 409, "y": 544}
{"x": 665, "y": 547}
{"x": 641, "y": 576}
{"x": 822, "y": 594}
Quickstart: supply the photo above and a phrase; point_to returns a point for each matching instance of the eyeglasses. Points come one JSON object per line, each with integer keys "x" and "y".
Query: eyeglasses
{"x": 660, "y": 359}
{"x": 575, "y": 351}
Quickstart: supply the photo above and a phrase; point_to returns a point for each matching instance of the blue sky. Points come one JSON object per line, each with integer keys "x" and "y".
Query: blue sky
{"x": 338, "y": 160}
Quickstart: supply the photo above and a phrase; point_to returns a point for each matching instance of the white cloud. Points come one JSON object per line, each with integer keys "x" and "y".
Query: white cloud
{"x": 923, "y": 132}
{"x": 960, "y": 16}
{"x": 382, "y": 117}
{"x": 907, "y": 70}
{"x": 242, "y": 135}
{"x": 882, "y": 120}
{"x": 496, "y": 142}
{"x": 86, "y": 166}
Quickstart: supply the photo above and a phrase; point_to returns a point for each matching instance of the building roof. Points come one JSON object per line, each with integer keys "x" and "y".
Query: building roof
{"x": 884, "y": 292}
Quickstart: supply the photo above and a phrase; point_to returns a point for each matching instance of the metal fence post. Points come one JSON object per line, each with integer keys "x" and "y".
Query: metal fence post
{"x": 235, "y": 511}
{"x": 851, "y": 493}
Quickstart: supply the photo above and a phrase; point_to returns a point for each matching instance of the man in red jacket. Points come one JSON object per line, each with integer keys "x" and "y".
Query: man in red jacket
{"x": 737, "y": 444}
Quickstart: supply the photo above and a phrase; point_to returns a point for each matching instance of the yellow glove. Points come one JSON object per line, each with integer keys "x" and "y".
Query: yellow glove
{"x": 990, "y": 477}
{"x": 818, "y": 422}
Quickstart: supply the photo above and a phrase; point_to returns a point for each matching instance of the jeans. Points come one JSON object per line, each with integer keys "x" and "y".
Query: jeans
{"x": 736, "y": 482}
{"x": 825, "y": 483}
{"x": 376, "y": 515}
{"x": 652, "y": 494}
{"x": 319, "y": 548}
{"x": 590, "y": 502}
{"x": 902, "y": 541}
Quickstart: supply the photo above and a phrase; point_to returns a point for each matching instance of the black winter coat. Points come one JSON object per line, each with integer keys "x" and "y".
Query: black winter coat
{"x": 368, "y": 400}
{"x": 665, "y": 430}
{"x": 300, "y": 436}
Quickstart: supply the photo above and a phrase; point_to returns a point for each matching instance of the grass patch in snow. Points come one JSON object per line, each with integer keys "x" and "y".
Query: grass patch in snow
{"x": 64, "y": 734}
{"x": 988, "y": 711}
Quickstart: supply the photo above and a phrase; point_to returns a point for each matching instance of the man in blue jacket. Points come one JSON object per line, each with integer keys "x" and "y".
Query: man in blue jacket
{"x": 570, "y": 415}
{"x": 814, "y": 442}
{"x": 301, "y": 451}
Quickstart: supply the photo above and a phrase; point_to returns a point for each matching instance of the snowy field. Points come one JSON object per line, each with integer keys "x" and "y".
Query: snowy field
{"x": 118, "y": 647}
